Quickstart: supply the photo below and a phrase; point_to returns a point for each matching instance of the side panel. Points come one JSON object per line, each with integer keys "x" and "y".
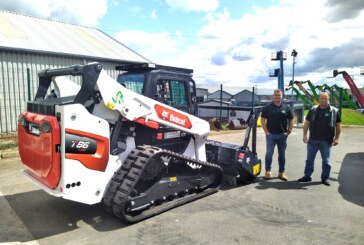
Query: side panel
{"x": 85, "y": 173}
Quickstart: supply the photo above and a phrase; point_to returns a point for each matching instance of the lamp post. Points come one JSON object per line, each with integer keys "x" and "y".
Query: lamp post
{"x": 293, "y": 54}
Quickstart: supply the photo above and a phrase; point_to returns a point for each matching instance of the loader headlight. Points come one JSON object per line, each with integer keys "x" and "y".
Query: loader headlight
{"x": 22, "y": 121}
{"x": 45, "y": 127}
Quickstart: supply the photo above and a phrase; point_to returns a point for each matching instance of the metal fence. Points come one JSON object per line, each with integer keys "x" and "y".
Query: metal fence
{"x": 14, "y": 92}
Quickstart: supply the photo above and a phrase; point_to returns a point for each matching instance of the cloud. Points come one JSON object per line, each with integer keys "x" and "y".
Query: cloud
{"x": 341, "y": 10}
{"x": 218, "y": 59}
{"x": 193, "y": 5}
{"x": 154, "y": 15}
{"x": 241, "y": 57}
{"x": 236, "y": 52}
{"x": 280, "y": 44}
{"x": 153, "y": 46}
{"x": 349, "y": 54}
{"x": 75, "y": 12}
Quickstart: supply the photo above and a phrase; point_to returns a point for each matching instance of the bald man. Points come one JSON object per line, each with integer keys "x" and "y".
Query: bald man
{"x": 324, "y": 122}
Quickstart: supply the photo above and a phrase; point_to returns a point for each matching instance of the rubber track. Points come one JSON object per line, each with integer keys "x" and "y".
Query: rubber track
{"x": 119, "y": 176}
{"x": 120, "y": 188}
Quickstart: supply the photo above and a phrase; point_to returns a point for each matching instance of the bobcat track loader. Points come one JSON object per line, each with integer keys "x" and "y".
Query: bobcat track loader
{"x": 139, "y": 154}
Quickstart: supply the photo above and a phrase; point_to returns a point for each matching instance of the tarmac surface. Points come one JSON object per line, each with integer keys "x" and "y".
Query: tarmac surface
{"x": 264, "y": 212}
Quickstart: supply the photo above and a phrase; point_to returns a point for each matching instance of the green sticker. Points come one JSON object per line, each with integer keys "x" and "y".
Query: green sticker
{"x": 118, "y": 98}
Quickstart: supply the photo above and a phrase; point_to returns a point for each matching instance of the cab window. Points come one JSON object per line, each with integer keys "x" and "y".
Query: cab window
{"x": 133, "y": 82}
{"x": 171, "y": 92}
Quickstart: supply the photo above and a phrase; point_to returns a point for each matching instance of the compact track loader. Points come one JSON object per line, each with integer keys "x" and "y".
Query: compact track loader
{"x": 132, "y": 144}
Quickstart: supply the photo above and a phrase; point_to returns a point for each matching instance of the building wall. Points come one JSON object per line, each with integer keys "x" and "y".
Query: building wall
{"x": 212, "y": 113}
{"x": 201, "y": 94}
{"x": 245, "y": 96}
{"x": 216, "y": 95}
{"x": 14, "y": 86}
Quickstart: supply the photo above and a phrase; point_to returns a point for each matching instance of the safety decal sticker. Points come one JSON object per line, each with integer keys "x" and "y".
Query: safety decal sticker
{"x": 118, "y": 98}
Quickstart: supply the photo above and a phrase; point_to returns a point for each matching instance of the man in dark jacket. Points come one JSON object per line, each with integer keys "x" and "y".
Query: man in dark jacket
{"x": 277, "y": 124}
{"x": 324, "y": 122}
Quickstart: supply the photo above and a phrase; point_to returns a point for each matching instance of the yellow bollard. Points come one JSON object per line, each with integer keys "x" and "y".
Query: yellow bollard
{"x": 259, "y": 124}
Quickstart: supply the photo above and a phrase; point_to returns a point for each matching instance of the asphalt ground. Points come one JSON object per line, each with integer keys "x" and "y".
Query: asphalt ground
{"x": 264, "y": 212}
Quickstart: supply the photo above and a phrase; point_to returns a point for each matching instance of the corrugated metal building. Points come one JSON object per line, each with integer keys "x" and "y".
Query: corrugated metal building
{"x": 201, "y": 94}
{"x": 244, "y": 98}
{"x": 29, "y": 44}
{"x": 213, "y": 113}
{"x": 216, "y": 96}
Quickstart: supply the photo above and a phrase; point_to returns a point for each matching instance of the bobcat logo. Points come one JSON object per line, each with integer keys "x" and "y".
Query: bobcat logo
{"x": 165, "y": 114}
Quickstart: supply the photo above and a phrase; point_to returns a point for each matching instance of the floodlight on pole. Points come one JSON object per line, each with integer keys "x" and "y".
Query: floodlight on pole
{"x": 293, "y": 54}
{"x": 279, "y": 56}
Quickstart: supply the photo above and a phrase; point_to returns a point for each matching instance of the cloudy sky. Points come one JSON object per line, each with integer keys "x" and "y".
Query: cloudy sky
{"x": 226, "y": 42}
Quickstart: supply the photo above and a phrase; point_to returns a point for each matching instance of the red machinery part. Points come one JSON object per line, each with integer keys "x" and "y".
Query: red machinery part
{"x": 39, "y": 152}
{"x": 354, "y": 88}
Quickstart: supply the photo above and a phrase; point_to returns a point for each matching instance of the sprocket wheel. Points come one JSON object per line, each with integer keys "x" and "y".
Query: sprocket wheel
{"x": 152, "y": 170}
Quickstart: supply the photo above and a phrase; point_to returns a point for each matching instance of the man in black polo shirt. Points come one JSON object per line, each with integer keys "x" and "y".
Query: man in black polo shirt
{"x": 324, "y": 124}
{"x": 277, "y": 124}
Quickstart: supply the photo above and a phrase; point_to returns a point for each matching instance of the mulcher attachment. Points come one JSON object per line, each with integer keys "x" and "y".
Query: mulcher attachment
{"x": 239, "y": 163}
{"x": 153, "y": 180}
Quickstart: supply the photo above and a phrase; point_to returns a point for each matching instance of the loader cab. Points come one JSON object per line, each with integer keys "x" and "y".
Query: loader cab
{"x": 169, "y": 85}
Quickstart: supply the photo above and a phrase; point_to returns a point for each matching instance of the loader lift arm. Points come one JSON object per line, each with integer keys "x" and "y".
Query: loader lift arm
{"x": 304, "y": 90}
{"x": 324, "y": 87}
{"x": 345, "y": 96}
{"x": 354, "y": 89}
{"x": 313, "y": 90}
{"x": 302, "y": 97}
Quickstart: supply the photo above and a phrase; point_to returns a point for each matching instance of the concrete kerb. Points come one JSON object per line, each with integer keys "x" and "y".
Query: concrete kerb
{"x": 351, "y": 126}
{"x": 8, "y": 154}
{"x": 222, "y": 132}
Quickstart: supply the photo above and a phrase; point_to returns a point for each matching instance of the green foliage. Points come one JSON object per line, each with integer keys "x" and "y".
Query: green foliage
{"x": 352, "y": 117}
{"x": 4, "y": 145}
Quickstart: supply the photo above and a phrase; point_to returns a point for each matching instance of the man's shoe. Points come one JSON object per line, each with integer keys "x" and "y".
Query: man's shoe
{"x": 325, "y": 182}
{"x": 282, "y": 176}
{"x": 268, "y": 175}
{"x": 304, "y": 179}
